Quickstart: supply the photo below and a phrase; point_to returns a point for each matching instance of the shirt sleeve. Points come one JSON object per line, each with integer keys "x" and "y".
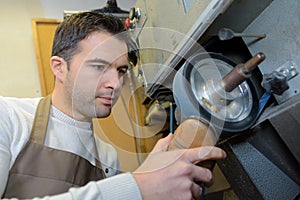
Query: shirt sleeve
{"x": 5, "y": 155}
{"x": 122, "y": 186}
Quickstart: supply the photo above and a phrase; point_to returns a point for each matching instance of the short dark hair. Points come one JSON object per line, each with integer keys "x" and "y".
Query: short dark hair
{"x": 80, "y": 25}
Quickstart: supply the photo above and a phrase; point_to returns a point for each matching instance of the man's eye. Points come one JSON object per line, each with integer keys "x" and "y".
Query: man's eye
{"x": 122, "y": 71}
{"x": 99, "y": 67}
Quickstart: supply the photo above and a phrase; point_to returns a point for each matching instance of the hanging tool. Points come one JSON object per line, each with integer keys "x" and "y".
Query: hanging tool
{"x": 227, "y": 34}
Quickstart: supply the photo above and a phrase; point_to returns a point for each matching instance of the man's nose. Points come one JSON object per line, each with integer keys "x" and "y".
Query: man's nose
{"x": 112, "y": 78}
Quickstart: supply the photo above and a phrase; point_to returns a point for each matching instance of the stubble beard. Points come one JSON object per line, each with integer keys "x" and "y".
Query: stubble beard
{"x": 102, "y": 111}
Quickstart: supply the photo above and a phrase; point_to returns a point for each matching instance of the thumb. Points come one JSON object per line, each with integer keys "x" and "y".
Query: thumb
{"x": 162, "y": 144}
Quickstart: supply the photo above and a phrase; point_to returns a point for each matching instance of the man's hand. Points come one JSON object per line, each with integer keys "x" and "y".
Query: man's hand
{"x": 172, "y": 174}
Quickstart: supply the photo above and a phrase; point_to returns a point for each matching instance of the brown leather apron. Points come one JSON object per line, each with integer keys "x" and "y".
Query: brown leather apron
{"x": 40, "y": 170}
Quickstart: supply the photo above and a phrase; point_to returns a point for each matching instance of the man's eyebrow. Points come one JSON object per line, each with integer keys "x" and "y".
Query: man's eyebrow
{"x": 98, "y": 60}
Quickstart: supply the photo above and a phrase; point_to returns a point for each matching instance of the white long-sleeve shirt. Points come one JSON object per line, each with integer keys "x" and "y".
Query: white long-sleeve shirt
{"x": 63, "y": 133}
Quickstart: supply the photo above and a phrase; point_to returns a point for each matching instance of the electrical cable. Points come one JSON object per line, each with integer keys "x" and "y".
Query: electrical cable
{"x": 171, "y": 118}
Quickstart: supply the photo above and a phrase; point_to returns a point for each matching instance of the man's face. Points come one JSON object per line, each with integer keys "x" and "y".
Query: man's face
{"x": 95, "y": 77}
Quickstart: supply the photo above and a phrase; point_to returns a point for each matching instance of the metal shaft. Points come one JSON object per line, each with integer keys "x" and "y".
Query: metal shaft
{"x": 241, "y": 72}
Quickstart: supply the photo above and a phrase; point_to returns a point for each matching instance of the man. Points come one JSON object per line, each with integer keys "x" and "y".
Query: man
{"x": 47, "y": 147}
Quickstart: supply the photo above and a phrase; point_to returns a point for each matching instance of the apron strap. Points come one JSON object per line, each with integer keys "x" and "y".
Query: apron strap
{"x": 97, "y": 157}
{"x": 40, "y": 123}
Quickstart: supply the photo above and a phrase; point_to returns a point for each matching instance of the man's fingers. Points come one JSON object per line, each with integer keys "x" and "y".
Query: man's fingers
{"x": 162, "y": 144}
{"x": 197, "y": 155}
{"x": 159, "y": 158}
{"x": 196, "y": 191}
{"x": 201, "y": 174}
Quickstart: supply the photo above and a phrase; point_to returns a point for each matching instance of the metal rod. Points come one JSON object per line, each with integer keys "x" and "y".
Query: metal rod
{"x": 241, "y": 72}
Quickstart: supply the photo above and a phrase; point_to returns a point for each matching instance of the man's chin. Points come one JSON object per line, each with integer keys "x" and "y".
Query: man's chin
{"x": 103, "y": 114}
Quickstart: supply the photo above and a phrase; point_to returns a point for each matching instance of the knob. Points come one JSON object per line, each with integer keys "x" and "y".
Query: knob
{"x": 134, "y": 13}
{"x": 129, "y": 24}
{"x": 275, "y": 83}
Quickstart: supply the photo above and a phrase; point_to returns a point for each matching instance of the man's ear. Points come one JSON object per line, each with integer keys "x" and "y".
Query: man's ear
{"x": 58, "y": 66}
